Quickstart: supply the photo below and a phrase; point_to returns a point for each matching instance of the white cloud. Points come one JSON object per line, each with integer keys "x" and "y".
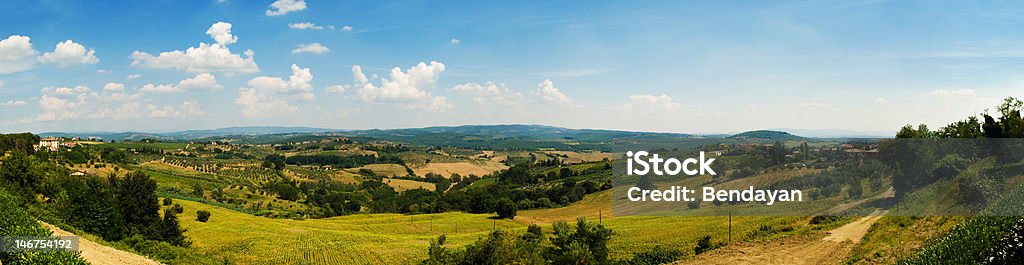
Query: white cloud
{"x": 346, "y": 28}
{"x": 268, "y": 95}
{"x": 81, "y": 102}
{"x": 454, "y": 41}
{"x": 335, "y": 89}
{"x": 186, "y": 109}
{"x": 548, "y": 92}
{"x": 2, "y": 84}
{"x": 221, "y": 33}
{"x": 204, "y": 58}
{"x": 68, "y": 53}
{"x": 202, "y": 81}
{"x": 133, "y": 76}
{"x": 650, "y": 104}
{"x": 305, "y": 25}
{"x": 14, "y": 103}
{"x": 952, "y": 93}
{"x": 16, "y": 54}
{"x": 315, "y": 48}
{"x": 816, "y": 105}
{"x": 281, "y": 7}
{"x": 881, "y": 100}
{"x": 490, "y": 93}
{"x": 113, "y": 87}
{"x": 411, "y": 87}
{"x": 102, "y": 71}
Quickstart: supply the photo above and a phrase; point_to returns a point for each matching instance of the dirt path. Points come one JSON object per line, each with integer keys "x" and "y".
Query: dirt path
{"x": 830, "y": 247}
{"x": 97, "y": 254}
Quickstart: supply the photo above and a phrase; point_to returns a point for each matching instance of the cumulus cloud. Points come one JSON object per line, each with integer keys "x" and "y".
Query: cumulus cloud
{"x": 113, "y": 87}
{"x": 650, "y": 104}
{"x": 133, "y": 76}
{"x": 315, "y": 48}
{"x": 881, "y": 100}
{"x": 221, "y": 33}
{"x": 335, "y": 89}
{"x": 202, "y": 81}
{"x": 489, "y": 93}
{"x": 281, "y": 7}
{"x": 411, "y": 87}
{"x": 305, "y": 25}
{"x": 69, "y": 53}
{"x": 454, "y": 41}
{"x": 269, "y": 95}
{"x": 952, "y": 93}
{"x": 346, "y": 28}
{"x": 16, "y": 54}
{"x": 14, "y": 103}
{"x": 548, "y": 92}
{"x": 2, "y": 84}
{"x": 81, "y": 102}
{"x": 203, "y": 58}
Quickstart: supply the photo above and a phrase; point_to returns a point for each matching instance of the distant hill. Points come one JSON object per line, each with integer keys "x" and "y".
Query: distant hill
{"x": 189, "y": 134}
{"x": 767, "y": 135}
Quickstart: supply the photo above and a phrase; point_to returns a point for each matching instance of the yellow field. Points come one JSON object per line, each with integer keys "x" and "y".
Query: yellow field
{"x": 355, "y": 239}
{"x": 479, "y": 168}
{"x": 580, "y": 157}
{"x": 405, "y": 184}
{"x": 386, "y": 170}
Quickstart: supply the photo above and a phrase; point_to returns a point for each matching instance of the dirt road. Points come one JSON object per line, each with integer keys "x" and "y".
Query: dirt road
{"x": 98, "y": 254}
{"x": 830, "y": 247}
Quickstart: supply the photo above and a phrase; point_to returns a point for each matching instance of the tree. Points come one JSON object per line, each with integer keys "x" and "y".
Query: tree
{"x": 588, "y": 242}
{"x": 202, "y": 216}
{"x": 506, "y": 208}
{"x": 274, "y": 161}
{"x": 168, "y": 230}
{"x": 168, "y": 202}
{"x": 138, "y": 201}
{"x": 91, "y": 207}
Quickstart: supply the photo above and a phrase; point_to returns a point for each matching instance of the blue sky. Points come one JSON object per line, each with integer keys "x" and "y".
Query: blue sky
{"x": 696, "y": 67}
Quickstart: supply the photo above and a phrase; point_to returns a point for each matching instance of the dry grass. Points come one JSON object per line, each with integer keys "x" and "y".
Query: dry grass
{"x": 581, "y": 157}
{"x": 386, "y": 170}
{"x": 479, "y": 168}
{"x": 405, "y": 184}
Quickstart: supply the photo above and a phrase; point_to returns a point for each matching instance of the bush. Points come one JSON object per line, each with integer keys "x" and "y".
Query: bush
{"x": 658, "y": 255}
{"x": 506, "y": 208}
{"x": 705, "y": 245}
{"x": 202, "y": 216}
{"x": 177, "y": 208}
{"x": 167, "y": 201}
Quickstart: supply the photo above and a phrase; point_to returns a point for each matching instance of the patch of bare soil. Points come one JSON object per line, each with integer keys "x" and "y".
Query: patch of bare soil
{"x": 96, "y": 254}
{"x": 830, "y": 247}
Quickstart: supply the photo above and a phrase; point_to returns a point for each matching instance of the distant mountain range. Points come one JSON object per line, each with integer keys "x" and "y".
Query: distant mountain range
{"x": 518, "y": 131}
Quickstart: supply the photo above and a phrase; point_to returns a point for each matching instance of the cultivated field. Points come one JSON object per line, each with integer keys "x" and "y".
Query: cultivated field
{"x": 479, "y": 168}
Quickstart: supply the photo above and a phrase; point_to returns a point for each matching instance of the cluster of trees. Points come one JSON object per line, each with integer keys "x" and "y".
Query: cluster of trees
{"x": 519, "y": 190}
{"x": 343, "y": 161}
{"x": 118, "y": 208}
{"x": 18, "y": 142}
{"x": 579, "y": 244}
{"x": 586, "y": 243}
{"x": 112, "y": 208}
{"x": 920, "y": 156}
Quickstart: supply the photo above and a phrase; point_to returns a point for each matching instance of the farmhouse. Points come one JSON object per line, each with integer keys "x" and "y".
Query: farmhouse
{"x": 50, "y": 143}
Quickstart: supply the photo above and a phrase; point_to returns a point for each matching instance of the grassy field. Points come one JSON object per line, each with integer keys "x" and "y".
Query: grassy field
{"x": 354, "y": 239}
{"x": 386, "y": 170}
{"x": 405, "y": 184}
{"x": 161, "y": 145}
{"x": 479, "y": 168}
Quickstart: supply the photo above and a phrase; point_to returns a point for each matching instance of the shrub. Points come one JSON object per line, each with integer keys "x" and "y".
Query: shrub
{"x": 658, "y": 255}
{"x": 167, "y": 201}
{"x": 705, "y": 245}
{"x": 202, "y": 216}
{"x": 177, "y": 208}
{"x": 15, "y": 221}
{"x": 506, "y": 208}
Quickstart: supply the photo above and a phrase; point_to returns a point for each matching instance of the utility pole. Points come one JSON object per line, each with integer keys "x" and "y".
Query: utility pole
{"x": 730, "y": 227}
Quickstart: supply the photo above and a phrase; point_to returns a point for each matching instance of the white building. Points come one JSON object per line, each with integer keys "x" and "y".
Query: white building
{"x": 50, "y": 143}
